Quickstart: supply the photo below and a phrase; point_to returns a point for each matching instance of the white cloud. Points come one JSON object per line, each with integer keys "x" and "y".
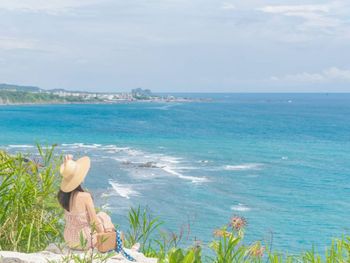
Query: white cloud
{"x": 29, "y": 44}
{"x": 318, "y": 15}
{"x": 228, "y": 6}
{"x": 336, "y": 73}
{"x": 47, "y": 6}
{"x": 289, "y": 9}
{"x": 327, "y": 75}
{"x": 7, "y": 43}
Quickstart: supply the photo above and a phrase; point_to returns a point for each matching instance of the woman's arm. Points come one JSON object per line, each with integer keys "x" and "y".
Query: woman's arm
{"x": 92, "y": 214}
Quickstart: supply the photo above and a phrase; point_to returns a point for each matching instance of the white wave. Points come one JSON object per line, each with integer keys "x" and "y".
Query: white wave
{"x": 92, "y": 146}
{"x": 133, "y": 152}
{"x": 240, "y": 207}
{"x": 187, "y": 168}
{"x": 138, "y": 162}
{"x": 141, "y": 159}
{"x": 193, "y": 179}
{"x": 81, "y": 145}
{"x": 95, "y": 145}
{"x": 72, "y": 145}
{"x": 20, "y": 146}
{"x": 284, "y": 157}
{"x": 158, "y": 157}
{"x": 169, "y": 159}
{"x": 106, "y": 206}
{"x": 123, "y": 190}
{"x": 242, "y": 167}
{"x": 170, "y": 171}
{"x": 109, "y": 146}
{"x": 137, "y": 156}
{"x": 117, "y": 149}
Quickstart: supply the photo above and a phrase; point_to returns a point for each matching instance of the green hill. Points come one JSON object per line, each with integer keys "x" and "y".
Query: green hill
{"x": 21, "y": 97}
{"x": 14, "y": 87}
{"x": 16, "y": 94}
{"x": 17, "y": 97}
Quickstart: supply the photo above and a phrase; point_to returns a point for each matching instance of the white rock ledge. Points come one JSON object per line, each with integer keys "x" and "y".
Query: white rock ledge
{"x": 52, "y": 253}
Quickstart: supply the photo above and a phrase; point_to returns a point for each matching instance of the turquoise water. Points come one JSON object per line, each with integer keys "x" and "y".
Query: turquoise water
{"x": 279, "y": 160}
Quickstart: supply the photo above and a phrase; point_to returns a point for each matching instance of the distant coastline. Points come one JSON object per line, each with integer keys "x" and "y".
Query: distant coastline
{"x": 29, "y": 95}
{"x": 43, "y": 103}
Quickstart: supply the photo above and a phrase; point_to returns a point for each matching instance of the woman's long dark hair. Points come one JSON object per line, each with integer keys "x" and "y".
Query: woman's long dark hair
{"x": 64, "y": 198}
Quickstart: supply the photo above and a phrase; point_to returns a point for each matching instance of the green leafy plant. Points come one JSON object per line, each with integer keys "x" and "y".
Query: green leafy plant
{"x": 30, "y": 216}
{"x": 142, "y": 225}
{"x": 227, "y": 247}
{"x": 178, "y": 255}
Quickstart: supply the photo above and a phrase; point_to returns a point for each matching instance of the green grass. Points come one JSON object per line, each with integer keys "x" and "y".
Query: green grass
{"x": 31, "y": 218}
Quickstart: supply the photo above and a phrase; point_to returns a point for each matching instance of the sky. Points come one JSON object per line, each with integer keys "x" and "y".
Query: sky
{"x": 176, "y": 45}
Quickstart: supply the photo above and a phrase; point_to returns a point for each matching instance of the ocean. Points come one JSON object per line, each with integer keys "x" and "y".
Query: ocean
{"x": 282, "y": 161}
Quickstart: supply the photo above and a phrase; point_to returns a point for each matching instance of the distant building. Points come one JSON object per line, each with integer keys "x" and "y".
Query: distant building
{"x": 141, "y": 93}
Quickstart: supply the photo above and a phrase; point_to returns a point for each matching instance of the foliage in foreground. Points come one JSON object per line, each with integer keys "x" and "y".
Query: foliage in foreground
{"x": 228, "y": 246}
{"x": 31, "y": 218}
{"x": 29, "y": 213}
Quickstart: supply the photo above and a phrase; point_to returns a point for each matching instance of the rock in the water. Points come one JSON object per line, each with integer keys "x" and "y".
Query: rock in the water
{"x": 148, "y": 165}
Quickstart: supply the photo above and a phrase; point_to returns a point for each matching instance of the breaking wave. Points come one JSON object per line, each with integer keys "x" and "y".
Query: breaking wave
{"x": 138, "y": 163}
{"x": 240, "y": 208}
{"x": 123, "y": 190}
{"x": 243, "y": 167}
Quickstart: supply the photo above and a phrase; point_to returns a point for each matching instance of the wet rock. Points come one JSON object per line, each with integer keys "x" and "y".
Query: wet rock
{"x": 148, "y": 165}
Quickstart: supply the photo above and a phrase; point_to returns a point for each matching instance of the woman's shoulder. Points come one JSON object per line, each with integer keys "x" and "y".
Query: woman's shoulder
{"x": 83, "y": 195}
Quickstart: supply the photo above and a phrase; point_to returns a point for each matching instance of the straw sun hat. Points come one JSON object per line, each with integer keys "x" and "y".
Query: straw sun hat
{"x": 73, "y": 173}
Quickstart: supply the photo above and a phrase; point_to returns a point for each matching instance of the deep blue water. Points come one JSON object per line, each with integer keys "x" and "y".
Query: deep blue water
{"x": 280, "y": 160}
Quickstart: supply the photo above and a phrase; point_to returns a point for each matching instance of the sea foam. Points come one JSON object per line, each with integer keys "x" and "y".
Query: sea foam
{"x": 240, "y": 208}
{"x": 123, "y": 190}
{"x": 20, "y": 146}
{"x": 242, "y": 167}
{"x": 137, "y": 163}
{"x": 193, "y": 179}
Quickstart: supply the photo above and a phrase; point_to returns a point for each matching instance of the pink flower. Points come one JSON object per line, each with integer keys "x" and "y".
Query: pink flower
{"x": 221, "y": 233}
{"x": 256, "y": 250}
{"x": 238, "y": 222}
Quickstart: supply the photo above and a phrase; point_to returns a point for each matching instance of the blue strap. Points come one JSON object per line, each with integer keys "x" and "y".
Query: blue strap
{"x": 119, "y": 248}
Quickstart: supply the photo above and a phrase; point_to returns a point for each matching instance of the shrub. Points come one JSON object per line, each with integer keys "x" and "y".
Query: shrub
{"x": 30, "y": 216}
{"x": 141, "y": 227}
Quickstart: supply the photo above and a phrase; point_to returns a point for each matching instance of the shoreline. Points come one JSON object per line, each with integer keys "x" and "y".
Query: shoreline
{"x": 106, "y": 102}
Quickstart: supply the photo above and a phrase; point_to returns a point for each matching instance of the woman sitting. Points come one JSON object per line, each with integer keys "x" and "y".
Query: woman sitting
{"x": 79, "y": 211}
